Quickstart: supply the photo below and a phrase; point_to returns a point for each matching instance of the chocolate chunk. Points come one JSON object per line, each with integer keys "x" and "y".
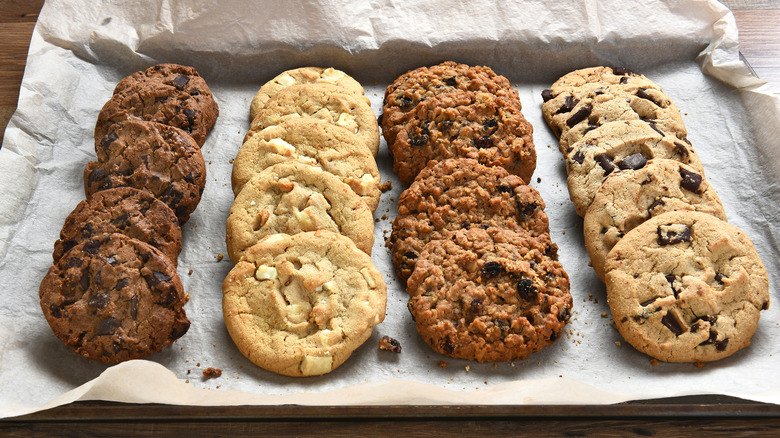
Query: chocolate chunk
{"x": 648, "y": 302}
{"x": 674, "y": 233}
{"x": 655, "y": 128}
{"x": 107, "y": 140}
{"x": 97, "y": 175}
{"x": 590, "y": 127}
{"x": 656, "y": 203}
{"x": 633, "y": 162}
{"x": 605, "y": 161}
{"x": 108, "y": 326}
{"x": 670, "y": 321}
{"x": 694, "y": 328}
{"x": 641, "y": 93}
{"x": 579, "y": 116}
{"x": 578, "y": 156}
{"x": 690, "y": 181}
{"x": 721, "y": 346}
{"x": 134, "y": 307}
{"x": 622, "y": 71}
{"x": 180, "y": 81}
{"x": 681, "y": 149}
{"x": 568, "y": 104}
{"x": 671, "y": 278}
{"x": 547, "y": 94}
{"x": 121, "y": 221}
{"x": 719, "y": 278}
{"x": 91, "y": 247}
{"x": 526, "y": 289}
{"x": 190, "y": 116}
{"x": 491, "y": 269}
{"x": 122, "y": 283}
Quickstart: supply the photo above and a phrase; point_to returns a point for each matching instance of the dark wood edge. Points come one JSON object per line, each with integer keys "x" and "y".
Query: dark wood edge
{"x": 690, "y": 407}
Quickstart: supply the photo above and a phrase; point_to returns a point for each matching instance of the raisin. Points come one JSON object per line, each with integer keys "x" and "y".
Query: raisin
{"x": 491, "y": 269}
{"x": 526, "y": 289}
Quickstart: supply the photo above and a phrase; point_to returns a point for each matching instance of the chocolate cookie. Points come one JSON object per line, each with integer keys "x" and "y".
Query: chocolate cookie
{"x": 134, "y": 213}
{"x": 488, "y": 295}
{"x": 327, "y": 102}
{"x": 460, "y": 194}
{"x": 161, "y": 159}
{"x": 465, "y": 124}
{"x": 113, "y": 298}
{"x": 417, "y": 85}
{"x": 292, "y": 198}
{"x": 155, "y": 97}
{"x": 686, "y": 287}
{"x": 628, "y": 198}
{"x": 625, "y": 145}
{"x": 302, "y": 75}
{"x": 313, "y": 142}
{"x": 300, "y": 305}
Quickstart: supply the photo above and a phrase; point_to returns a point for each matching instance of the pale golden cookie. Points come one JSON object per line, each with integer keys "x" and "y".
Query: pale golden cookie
{"x": 300, "y": 305}
{"x": 292, "y": 198}
{"x": 313, "y": 142}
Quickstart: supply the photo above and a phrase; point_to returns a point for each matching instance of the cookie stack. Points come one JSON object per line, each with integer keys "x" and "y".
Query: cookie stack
{"x": 683, "y": 285}
{"x": 471, "y": 239}
{"x": 304, "y": 293}
{"x": 113, "y": 292}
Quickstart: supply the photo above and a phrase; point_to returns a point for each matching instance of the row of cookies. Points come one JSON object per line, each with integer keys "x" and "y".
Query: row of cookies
{"x": 471, "y": 239}
{"x": 682, "y": 284}
{"x": 304, "y": 293}
{"x": 113, "y": 292}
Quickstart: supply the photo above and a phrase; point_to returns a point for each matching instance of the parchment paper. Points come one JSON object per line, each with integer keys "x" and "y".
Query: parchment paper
{"x": 81, "y": 49}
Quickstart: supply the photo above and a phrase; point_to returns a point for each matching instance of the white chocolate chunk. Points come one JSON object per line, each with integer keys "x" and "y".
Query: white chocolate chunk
{"x": 265, "y": 273}
{"x": 347, "y": 121}
{"x": 368, "y": 277}
{"x": 285, "y": 80}
{"x": 332, "y": 75}
{"x": 281, "y": 147}
{"x": 315, "y": 366}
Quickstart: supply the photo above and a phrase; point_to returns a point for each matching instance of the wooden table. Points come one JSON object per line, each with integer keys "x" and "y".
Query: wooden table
{"x": 689, "y": 416}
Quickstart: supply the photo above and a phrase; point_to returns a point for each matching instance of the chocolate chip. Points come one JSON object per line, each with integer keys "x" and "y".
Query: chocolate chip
{"x": 568, "y": 104}
{"x": 681, "y": 149}
{"x": 690, "y": 181}
{"x": 190, "y": 116}
{"x": 622, "y": 71}
{"x": 713, "y": 337}
{"x": 491, "y": 269}
{"x": 719, "y": 278}
{"x": 671, "y": 279}
{"x": 579, "y": 116}
{"x": 134, "y": 307}
{"x": 194, "y": 92}
{"x": 694, "y": 328}
{"x": 578, "y": 156}
{"x": 605, "y": 161}
{"x": 670, "y": 321}
{"x": 526, "y": 289}
{"x": 108, "y": 326}
{"x": 641, "y": 93}
{"x": 590, "y": 127}
{"x": 180, "y": 81}
{"x": 722, "y": 345}
{"x": 648, "y": 302}
{"x": 410, "y": 255}
{"x": 674, "y": 233}
{"x": 656, "y": 203}
{"x": 98, "y": 301}
{"x": 547, "y": 94}
{"x": 633, "y": 162}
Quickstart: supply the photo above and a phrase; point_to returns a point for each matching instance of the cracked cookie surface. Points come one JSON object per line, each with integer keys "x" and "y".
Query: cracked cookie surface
{"x": 686, "y": 287}
{"x": 300, "y": 305}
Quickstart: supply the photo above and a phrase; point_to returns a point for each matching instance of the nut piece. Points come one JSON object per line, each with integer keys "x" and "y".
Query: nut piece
{"x": 315, "y": 366}
{"x": 389, "y": 344}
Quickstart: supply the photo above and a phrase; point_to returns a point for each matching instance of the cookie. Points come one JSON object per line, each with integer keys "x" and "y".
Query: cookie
{"x": 292, "y": 198}
{"x": 159, "y": 158}
{"x": 572, "y": 116}
{"x": 158, "y": 102}
{"x": 134, "y": 213}
{"x": 488, "y": 295}
{"x": 314, "y": 142}
{"x": 625, "y": 145}
{"x": 465, "y": 124}
{"x": 597, "y": 75}
{"x": 302, "y": 75}
{"x": 113, "y": 298}
{"x": 628, "y": 198}
{"x": 686, "y": 287}
{"x": 460, "y": 194}
{"x": 300, "y": 305}
{"x": 172, "y": 77}
{"x": 417, "y": 85}
{"x": 327, "y": 102}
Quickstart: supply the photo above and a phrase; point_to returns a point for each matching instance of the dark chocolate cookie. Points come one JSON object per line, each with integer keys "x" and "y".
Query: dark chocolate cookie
{"x": 162, "y": 96}
{"x": 113, "y": 298}
{"x": 159, "y": 158}
{"x": 422, "y": 83}
{"x": 482, "y": 126}
{"x": 489, "y": 295}
{"x": 461, "y": 193}
{"x": 135, "y": 213}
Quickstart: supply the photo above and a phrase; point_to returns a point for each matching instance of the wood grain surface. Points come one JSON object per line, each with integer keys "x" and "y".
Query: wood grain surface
{"x": 715, "y": 416}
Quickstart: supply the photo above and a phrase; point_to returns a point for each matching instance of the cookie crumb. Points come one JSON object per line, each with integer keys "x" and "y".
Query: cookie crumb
{"x": 654, "y": 362}
{"x": 386, "y": 186}
{"x": 603, "y": 314}
{"x": 388, "y": 343}
{"x": 538, "y": 180}
{"x": 211, "y": 372}
{"x": 617, "y": 343}
{"x": 443, "y": 364}
{"x": 698, "y": 364}
{"x": 190, "y": 272}
{"x": 230, "y": 161}
{"x": 468, "y": 368}
{"x": 220, "y": 256}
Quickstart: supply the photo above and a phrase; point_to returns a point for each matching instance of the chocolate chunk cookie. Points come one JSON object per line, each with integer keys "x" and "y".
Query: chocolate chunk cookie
{"x": 303, "y": 75}
{"x": 417, "y": 85}
{"x": 621, "y": 145}
{"x": 292, "y": 198}
{"x": 313, "y": 142}
{"x": 113, "y": 298}
{"x": 134, "y": 213}
{"x": 161, "y": 159}
{"x": 460, "y": 194}
{"x": 686, "y": 287}
{"x": 628, "y": 198}
{"x": 465, "y": 124}
{"x": 597, "y": 75}
{"x": 488, "y": 295}
{"x": 327, "y": 102}
{"x": 162, "y": 95}
{"x": 300, "y": 305}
